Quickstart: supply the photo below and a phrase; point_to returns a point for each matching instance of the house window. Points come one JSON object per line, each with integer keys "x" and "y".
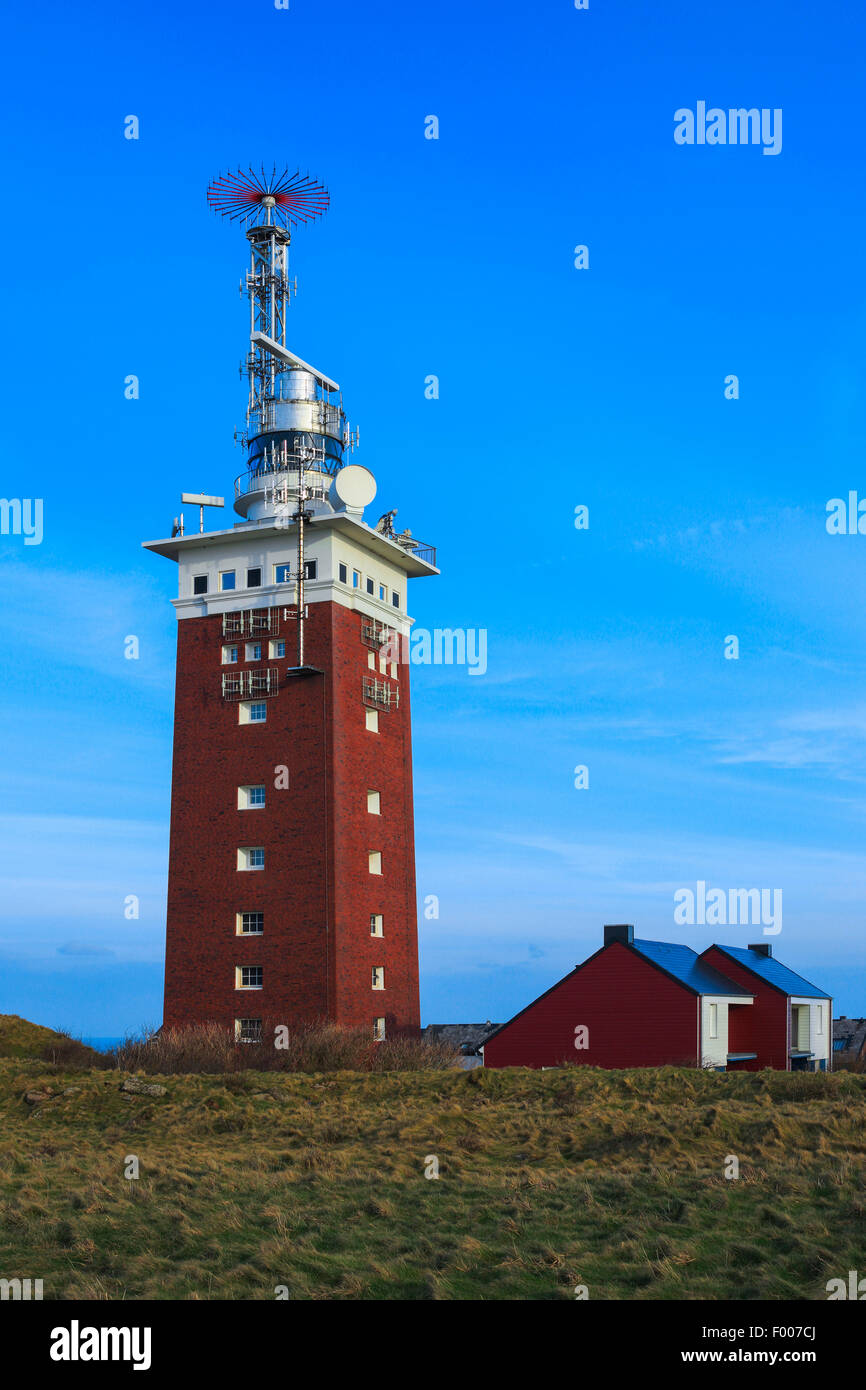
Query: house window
{"x": 199, "y": 583}
{"x": 379, "y": 1029}
{"x": 371, "y": 587}
{"x": 714, "y": 1020}
{"x": 371, "y": 717}
{"x": 248, "y": 977}
{"x": 250, "y": 923}
{"x": 356, "y": 579}
{"x": 819, "y": 1020}
{"x": 277, "y": 648}
{"x": 254, "y": 577}
{"x": 374, "y": 860}
{"x": 394, "y": 674}
{"x": 251, "y": 858}
{"x": 310, "y": 568}
{"x": 252, "y": 711}
{"x": 248, "y": 1030}
{"x": 374, "y": 803}
{"x": 377, "y": 924}
{"x": 282, "y": 574}
{"x": 839, "y": 1044}
{"x": 395, "y": 598}
{"x": 371, "y": 660}
{"x": 250, "y": 797}
{"x": 230, "y": 656}
{"x": 383, "y": 665}
{"x": 383, "y": 593}
{"x": 227, "y": 580}
{"x": 254, "y": 651}
{"x": 378, "y": 977}
{"x": 344, "y": 574}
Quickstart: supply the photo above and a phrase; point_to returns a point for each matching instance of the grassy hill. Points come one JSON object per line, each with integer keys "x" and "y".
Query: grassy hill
{"x": 548, "y": 1180}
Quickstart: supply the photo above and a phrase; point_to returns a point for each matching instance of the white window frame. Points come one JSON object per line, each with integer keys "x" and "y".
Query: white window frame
{"x": 378, "y": 977}
{"x": 245, "y": 710}
{"x": 245, "y": 864}
{"x": 229, "y": 660}
{"x": 377, "y": 924}
{"x": 245, "y": 801}
{"x": 371, "y": 720}
{"x": 239, "y": 924}
{"x": 239, "y": 975}
{"x": 374, "y": 803}
{"x": 230, "y": 589}
{"x": 374, "y": 862}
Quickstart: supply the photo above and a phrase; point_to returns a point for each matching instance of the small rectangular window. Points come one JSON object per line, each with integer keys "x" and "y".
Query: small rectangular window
{"x": 248, "y": 1030}
{"x": 277, "y": 648}
{"x": 819, "y": 1022}
{"x": 199, "y": 583}
{"x": 371, "y": 717}
{"x": 254, "y": 577}
{"x": 252, "y": 712}
{"x": 374, "y": 860}
{"x": 378, "y": 977}
{"x": 356, "y": 579}
{"x": 282, "y": 574}
{"x": 371, "y": 587}
{"x": 310, "y": 568}
{"x": 371, "y": 660}
{"x": 714, "y": 1020}
{"x": 344, "y": 574}
{"x": 253, "y": 651}
{"x": 383, "y": 593}
{"x": 374, "y": 803}
{"x": 379, "y": 1029}
{"x": 227, "y": 580}
{"x": 250, "y": 923}
{"x": 383, "y": 666}
{"x": 248, "y": 976}
{"x": 230, "y": 656}
{"x": 394, "y": 672}
{"x": 251, "y": 858}
{"x": 395, "y": 598}
{"x": 250, "y": 797}
{"x": 377, "y": 927}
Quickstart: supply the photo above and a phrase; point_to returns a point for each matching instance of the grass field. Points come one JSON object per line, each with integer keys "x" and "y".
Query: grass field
{"x": 547, "y": 1180}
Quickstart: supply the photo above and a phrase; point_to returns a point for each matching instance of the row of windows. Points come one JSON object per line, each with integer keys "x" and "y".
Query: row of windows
{"x": 249, "y": 1030}
{"x": 253, "y": 924}
{"x": 252, "y": 977}
{"x": 375, "y": 588}
{"x": 228, "y": 580}
{"x": 253, "y": 651}
{"x": 256, "y": 712}
{"x": 252, "y": 797}
{"x": 252, "y": 857}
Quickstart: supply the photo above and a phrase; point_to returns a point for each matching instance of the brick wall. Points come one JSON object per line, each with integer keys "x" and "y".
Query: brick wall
{"x": 316, "y": 890}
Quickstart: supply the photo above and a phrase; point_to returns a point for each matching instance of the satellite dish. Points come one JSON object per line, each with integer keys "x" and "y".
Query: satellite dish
{"x": 355, "y": 486}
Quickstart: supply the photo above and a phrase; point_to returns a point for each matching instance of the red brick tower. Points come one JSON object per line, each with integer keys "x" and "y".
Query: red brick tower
{"x": 291, "y": 892}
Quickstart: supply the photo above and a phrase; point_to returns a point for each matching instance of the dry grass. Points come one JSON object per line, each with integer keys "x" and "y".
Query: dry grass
{"x": 320, "y": 1047}
{"x": 253, "y": 1180}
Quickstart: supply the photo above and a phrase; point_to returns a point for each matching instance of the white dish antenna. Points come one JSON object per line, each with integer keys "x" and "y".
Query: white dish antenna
{"x": 355, "y": 486}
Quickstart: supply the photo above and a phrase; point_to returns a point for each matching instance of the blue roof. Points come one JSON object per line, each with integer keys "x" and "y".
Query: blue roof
{"x": 773, "y": 972}
{"x": 686, "y": 966}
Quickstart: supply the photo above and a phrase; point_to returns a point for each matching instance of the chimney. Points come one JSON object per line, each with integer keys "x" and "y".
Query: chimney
{"x": 763, "y": 948}
{"x": 624, "y": 934}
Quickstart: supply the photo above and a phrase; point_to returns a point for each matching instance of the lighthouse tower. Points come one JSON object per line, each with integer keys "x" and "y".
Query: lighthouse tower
{"x": 291, "y": 889}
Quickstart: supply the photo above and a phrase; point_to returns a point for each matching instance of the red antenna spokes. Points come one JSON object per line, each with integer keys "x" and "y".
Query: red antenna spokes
{"x": 284, "y": 198}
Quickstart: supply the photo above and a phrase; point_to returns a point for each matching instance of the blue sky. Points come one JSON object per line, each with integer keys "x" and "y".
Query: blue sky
{"x": 558, "y": 387}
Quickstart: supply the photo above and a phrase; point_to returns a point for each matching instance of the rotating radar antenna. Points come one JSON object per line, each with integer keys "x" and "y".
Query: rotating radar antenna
{"x": 284, "y": 199}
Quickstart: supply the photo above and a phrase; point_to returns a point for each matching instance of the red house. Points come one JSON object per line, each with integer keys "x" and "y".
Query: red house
{"x": 632, "y": 1004}
{"x": 655, "y": 1003}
